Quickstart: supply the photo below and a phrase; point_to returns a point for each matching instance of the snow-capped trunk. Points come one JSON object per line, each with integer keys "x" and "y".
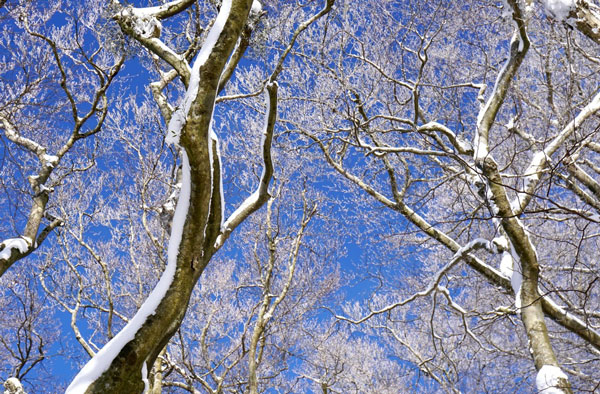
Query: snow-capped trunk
{"x": 120, "y": 365}
{"x": 532, "y": 314}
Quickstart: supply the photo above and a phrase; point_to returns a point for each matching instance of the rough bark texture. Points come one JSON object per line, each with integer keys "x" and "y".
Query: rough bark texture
{"x": 532, "y": 313}
{"x": 201, "y": 227}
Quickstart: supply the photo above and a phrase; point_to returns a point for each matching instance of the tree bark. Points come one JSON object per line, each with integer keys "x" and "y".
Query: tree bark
{"x": 201, "y": 228}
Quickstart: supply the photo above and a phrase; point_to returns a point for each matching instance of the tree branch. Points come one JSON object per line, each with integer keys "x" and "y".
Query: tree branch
{"x": 261, "y": 195}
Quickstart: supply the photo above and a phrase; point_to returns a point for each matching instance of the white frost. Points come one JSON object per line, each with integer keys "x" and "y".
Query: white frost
{"x": 7, "y": 246}
{"x": 559, "y": 9}
{"x": 547, "y": 380}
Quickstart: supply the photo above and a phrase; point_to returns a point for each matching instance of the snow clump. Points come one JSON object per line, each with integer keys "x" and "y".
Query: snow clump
{"x": 547, "y": 380}
{"x": 559, "y": 9}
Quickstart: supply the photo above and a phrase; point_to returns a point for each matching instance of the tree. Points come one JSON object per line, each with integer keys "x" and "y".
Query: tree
{"x": 472, "y": 165}
{"x": 65, "y": 81}
{"x": 447, "y": 150}
{"x": 198, "y": 227}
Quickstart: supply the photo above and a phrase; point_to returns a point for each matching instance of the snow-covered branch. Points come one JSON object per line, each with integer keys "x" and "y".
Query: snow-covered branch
{"x": 261, "y": 195}
{"x": 540, "y": 160}
{"x": 518, "y": 48}
{"x": 146, "y": 28}
{"x": 13, "y": 135}
{"x": 581, "y": 14}
{"x": 459, "y": 144}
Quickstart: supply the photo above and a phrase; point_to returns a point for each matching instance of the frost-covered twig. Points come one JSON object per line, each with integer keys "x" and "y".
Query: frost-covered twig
{"x": 434, "y": 285}
{"x": 303, "y": 26}
{"x": 165, "y": 10}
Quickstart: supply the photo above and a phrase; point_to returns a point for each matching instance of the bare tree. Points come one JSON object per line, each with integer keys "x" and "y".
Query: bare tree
{"x": 199, "y": 228}
{"x": 61, "y": 85}
{"x": 407, "y": 114}
{"x": 448, "y": 150}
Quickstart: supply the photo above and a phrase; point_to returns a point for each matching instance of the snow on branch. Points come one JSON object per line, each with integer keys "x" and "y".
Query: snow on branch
{"x": 573, "y": 323}
{"x": 102, "y": 361}
{"x": 559, "y": 9}
{"x": 13, "y": 385}
{"x": 540, "y": 159}
{"x": 587, "y": 19}
{"x": 261, "y": 195}
{"x": 160, "y": 98}
{"x": 20, "y": 244}
{"x": 460, "y": 145}
{"x": 146, "y": 28}
{"x": 551, "y": 379}
{"x": 13, "y": 135}
{"x": 518, "y": 48}
{"x": 179, "y": 117}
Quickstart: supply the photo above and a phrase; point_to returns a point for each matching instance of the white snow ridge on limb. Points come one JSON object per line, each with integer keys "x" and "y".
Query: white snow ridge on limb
{"x": 6, "y": 246}
{"x": 547, "y": 380}
{"x": 179, "y": 117}
{"x": 102, "y": 360}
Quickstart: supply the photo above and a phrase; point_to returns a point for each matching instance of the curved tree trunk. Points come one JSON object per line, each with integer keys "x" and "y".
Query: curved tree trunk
{"x": 122, "y": 365}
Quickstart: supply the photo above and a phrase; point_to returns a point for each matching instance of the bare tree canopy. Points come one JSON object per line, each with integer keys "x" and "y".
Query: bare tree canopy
{"x": 322, "y": 196}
